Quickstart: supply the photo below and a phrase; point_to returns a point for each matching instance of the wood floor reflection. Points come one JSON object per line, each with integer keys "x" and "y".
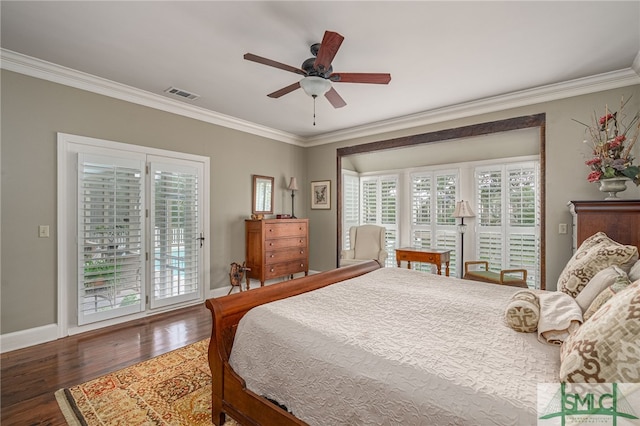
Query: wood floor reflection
{"x": 30, "y": 376}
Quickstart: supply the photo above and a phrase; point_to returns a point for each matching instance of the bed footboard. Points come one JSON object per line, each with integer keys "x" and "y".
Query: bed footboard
{"x": 229, "y": 392}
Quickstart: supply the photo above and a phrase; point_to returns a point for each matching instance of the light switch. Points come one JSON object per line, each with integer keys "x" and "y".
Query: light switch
{"x": 43, "y": 231}
{"x": 562, "y": 228}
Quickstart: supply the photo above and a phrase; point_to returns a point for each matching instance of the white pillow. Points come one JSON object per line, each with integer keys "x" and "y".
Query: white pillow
{"x": 634, "y": 273}
{"x": 600, "y": 281}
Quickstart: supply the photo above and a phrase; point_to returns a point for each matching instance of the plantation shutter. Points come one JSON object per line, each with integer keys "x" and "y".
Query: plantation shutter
{"x": 421, "y": 211}
{"x": 433, "y": 196}
{"x": 175, "y": 219}
{"x": 351, "y": 206}
{"x": 389, "y": 215}
{"x": 508, "y": 216}
{"x": 379, "y": 206}
{"x": 110, "y": 237}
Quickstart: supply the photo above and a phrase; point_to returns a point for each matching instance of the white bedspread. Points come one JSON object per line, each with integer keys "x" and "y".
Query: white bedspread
{"x": 395, "y": 347}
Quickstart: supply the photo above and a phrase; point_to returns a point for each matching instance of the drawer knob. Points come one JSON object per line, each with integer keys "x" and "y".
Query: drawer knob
{"x": 272, "y": 256}
{"x": 270, "y": 244}
{"x": 271, "y": 270}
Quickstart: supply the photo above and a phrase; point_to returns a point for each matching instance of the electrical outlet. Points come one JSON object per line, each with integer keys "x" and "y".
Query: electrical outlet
{"x": 43, "y": 231}
{"x": 562, "y": 228}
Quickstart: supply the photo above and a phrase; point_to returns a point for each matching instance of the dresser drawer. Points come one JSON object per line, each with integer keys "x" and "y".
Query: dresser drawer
{"x": 278, "y": 230}
{"x": 284, "y": 243}
{"x": 286, "y": 268}
{"x": 286, "y": 255}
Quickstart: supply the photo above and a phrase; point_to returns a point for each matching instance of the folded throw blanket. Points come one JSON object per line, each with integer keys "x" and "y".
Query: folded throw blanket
{"x": 560, "y": 315}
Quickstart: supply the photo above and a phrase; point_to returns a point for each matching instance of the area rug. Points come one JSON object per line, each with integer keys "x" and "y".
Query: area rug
{"x": 170, "y": 389}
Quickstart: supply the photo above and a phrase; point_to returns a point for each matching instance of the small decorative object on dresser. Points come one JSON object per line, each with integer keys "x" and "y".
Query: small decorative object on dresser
{"x": 276, "y": 248}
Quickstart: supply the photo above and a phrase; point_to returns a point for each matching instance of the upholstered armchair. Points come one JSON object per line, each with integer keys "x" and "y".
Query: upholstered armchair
{"x": 367, "y": 242}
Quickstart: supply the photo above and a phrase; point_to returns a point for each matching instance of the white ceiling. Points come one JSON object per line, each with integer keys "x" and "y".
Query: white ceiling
{"x": 439, "y": 54}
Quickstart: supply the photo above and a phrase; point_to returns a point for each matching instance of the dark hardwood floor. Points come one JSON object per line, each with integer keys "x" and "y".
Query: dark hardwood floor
{"x": 30, "y": 376}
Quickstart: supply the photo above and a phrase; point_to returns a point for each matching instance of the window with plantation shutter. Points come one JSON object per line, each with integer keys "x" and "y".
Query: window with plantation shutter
{"x": 433, "y": 199}
{"x": 351, "y": 206}
{"x": 379, "y": 206}
{"x": 110, "y": 237}
{"x": 507, "y": 213}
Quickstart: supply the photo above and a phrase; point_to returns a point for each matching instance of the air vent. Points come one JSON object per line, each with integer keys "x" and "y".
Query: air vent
{"x": 181, "y": 93}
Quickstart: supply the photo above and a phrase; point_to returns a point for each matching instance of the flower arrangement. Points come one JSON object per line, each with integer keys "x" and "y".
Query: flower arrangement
{"x": 611, "y": 143}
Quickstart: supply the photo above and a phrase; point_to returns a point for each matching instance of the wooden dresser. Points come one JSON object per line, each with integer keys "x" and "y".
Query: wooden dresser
{"x": 620, "y": 220}
{"x": 276, "y": 247}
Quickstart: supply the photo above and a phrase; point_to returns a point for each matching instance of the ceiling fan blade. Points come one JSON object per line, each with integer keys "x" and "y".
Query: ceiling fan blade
{"x": 358, "y": 77}
{"x": 334, "y": 98}
{"x": 328, "y": 48}
{"x": 285, "y": 90}
{"x": 272, "y": 63}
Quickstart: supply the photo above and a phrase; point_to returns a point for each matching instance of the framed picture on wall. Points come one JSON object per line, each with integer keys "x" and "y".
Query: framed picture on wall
{"x": 321, "y": 194}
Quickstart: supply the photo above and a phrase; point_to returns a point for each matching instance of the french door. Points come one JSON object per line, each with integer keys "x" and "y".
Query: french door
{"x": 137, "y": 239}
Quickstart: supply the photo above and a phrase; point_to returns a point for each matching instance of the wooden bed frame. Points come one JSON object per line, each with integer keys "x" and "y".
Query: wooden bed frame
{"x": 229, "y": 393}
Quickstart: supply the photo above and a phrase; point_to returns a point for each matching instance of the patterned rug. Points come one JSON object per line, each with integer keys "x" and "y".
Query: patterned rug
{"x": 171, "y": 389}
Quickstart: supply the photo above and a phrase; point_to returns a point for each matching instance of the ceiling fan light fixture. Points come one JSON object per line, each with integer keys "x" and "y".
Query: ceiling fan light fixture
{"x": 315, "y": 86}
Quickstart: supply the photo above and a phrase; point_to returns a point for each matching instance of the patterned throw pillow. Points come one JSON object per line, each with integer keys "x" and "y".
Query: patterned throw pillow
{"x": 621, "y": 282}
{"x": 634, "y": 273}
{"x": 606, "y": 348}
{"x": 599, "y": 253}
{"x": 523, "y": 311}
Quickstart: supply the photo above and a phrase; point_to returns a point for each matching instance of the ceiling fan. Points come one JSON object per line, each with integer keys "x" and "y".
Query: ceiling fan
{"x": 318, "y": 72}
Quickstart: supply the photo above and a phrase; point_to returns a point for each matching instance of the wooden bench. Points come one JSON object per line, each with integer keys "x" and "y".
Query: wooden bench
{"x": 503, "y": 277}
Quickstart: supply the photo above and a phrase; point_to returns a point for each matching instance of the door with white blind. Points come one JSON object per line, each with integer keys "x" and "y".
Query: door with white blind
{"x": 110, "y": 237}
{"x": 175, "y": 227}
{"x": 508, "y": 218}
{"x": 433, "y": 199}
{"x": 132, "y": 225}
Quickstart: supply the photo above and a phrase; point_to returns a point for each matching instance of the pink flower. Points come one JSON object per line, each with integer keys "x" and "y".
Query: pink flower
{"x": 595, "y": 160}
{"x": 605, "y": 118}
{"x": 594, "y": 176}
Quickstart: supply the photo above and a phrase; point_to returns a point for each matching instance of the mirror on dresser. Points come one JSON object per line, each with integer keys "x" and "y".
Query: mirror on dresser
{"x": 262, "y": 195}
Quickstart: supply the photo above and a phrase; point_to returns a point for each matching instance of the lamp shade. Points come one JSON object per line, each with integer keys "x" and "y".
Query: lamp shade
{"x": 463, "y": 209}
{"x": 315, "y": 86}
{"x": 293, "y": 184}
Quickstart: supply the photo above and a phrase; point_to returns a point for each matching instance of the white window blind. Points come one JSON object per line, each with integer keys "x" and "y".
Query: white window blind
{"x": 433, "y": 196}
{"x": 508, "y": 218}
{"x": 176, "y": 247}
{"x": 351, "y": 206}
{"x": 379, "y": 206}
{"x": 110, "y": 237}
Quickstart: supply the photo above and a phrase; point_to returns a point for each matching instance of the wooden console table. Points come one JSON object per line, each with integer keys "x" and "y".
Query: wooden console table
{"x": 435, "y": 256}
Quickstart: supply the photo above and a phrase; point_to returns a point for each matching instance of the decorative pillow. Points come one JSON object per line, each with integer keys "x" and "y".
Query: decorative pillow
{"x": 588, "y": 262}
{"x": 620, "y": 284}
{"x": 634, "y": 272}
{"x": 606, "y": 348}
{"x": 523, "y": 311}
{"x": 600, "y": 281}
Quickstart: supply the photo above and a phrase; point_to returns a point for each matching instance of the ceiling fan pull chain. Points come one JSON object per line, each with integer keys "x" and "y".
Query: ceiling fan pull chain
{"x": 314, "y": 109}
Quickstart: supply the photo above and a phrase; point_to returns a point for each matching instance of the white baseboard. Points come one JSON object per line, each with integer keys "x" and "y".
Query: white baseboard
{"x": 25, "y": 338}
{"x": 47, "y": 333}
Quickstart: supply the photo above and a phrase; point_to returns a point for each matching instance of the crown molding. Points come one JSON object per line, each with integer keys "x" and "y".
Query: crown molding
{"x": 552, "y": 92}
{"x": 44, "y": 70}
{"x": 33, "y": 67}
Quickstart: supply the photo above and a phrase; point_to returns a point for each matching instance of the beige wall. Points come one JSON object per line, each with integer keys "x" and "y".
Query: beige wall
{"x": 34, "y": 110}
{"x": 565, "y": 169}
